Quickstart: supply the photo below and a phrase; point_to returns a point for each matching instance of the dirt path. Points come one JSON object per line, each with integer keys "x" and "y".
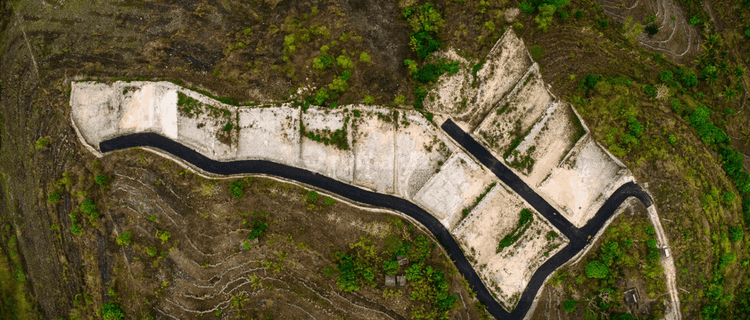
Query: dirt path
{"x": 674, "y": 312}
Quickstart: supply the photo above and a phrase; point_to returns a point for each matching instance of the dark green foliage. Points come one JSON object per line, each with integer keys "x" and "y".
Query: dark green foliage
{"x": 236, "y": 189}
{"x": 536, "y": 52}
{"x": 590, "y": 80}
{"x": 570, "y": 305}
{"x": 428, "y": 116}
{"x": 54, "y": 197}
{"x": 424, "y": 43}
{"x": 419, "y": 93}
{"x": 151, "y": 251}
{"x": 89, "y": 208}
{"x": 706, "y": 130}
{"x": 651, "y": 243}
{"x": 111, "y": 311}
{"x": 425, "y": 22}
{"x": 347, "y": 279}
{"x": 635, "y": 127}
{"x": 603, "y": 23}
{"x": 597, "y": 270}
{"x": 687, "y": 77}
{"x": 523, "y": 223}
{"x": 736, "y": 233}
{"x": 431, "y": 72}
{"x": 102, "y": 180}
{"x": 733, "y": 166}
{"x": 258, "y": 228}
{"x": 649, "y": 90}
{"x": 666, "y": 76}
{"x": 624, "y": 316}
{"x": 42, "y": 143}
{"x": 390, "y": 266}
{"x": 312, "y": 196}
{"x": 652, "y": 29}
{"x": 578, "y": 14}
{"x": 323, "y": 61}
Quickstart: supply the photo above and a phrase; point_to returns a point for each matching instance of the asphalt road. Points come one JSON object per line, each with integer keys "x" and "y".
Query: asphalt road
{"x": 577, "y": 236}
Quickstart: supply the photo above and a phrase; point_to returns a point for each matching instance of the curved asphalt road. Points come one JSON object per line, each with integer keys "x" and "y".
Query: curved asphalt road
{"x": 577, "y": 236}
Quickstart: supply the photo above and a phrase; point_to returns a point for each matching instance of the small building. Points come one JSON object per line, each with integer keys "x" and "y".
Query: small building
{"x": 390, "y": 280}
{"x": 631, "y": 296}
{"x": 665, "y": 251}
{"x": 402, "y": 260}
{"x": 401, "y": 280}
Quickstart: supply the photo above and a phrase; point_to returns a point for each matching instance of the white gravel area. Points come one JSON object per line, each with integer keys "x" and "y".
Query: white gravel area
{"x": 374, "y": 160}
{"x": 270, "y": 133}
{"x": 460, "y": 181}
{"x": 327, "y": 160}
{"x": 585, "y": 179}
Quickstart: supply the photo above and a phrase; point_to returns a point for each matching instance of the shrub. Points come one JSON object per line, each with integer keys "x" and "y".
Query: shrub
{"x": 54, "y": 198}
{"x": 258, "y": 228}
{"x": 42, "y": 143}
{"x": 312, "y": 196}
{"x": 321, "y": 96}
{"x": 688, "y": 78}
{"x": 344, "y": 62}
{"x": 324, "y": 60}
{"x": 666, "y": 76}
{"x": 736, "y": 233}
{"x": 368, "y": 99}
{"x": 364, "y": 57}
{"x": 163, "y": 236}
{"x": 544, "y": 18}
{"x": 635, "y": 127}
{"x": 111, "y": 311}
{"x": 399, "y": 100}
{"x": 652, "y": 29}
{"x": 747, "y": 32}
{"x": 236, "y": 189}
{"x": 578, "y": 14}
{"x": 570, "y": 305}
{"x": 419, "y": 93}
{"x": 590, "y": 80}
{"x": 151, "y": 251}
{"x": 728, "y": 198}
{"x": 536, "y": 52}
{"x": 102, "y": 180}
{"x": 651, "y": 243}
{"x": 328, "y": 201}
{"x": 124, "y": 239}
{"x": 672, "y": 139}
{"x": 695, "y": 20}
{"x": 76, "y": 229}
{"x": 89, "y": 207}
{"x": 603, "y": 23}
{"x": 597, "y": 270}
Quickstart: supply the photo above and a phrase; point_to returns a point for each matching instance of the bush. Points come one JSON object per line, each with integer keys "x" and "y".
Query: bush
{"x": 111, "y": 311}
{"x": 368, "y": 99}
{"x": 597, "y": 270}
{"x": 695, "y": 20}
{"x": 569, "y": 305}
{"x": 728, "y": 198}
{"x": 151, "y": 251}
{"x": 258, "y": 228}
{"x": 603, "y": 23}
{"x": 236, "y": 189}
{"x": 364, "y": 57}
{"x": 688, "y": 78}
{"x": 54, "y": 198}
{"x": 163, "y": 236}
{"x": 672, "y": 139}
{"x": 42, "y": 143}
{"x": 321, "y": 96}
{"x": 590, "y": 81}
{"x": 89, "y": 208}
{"x": 312, "y": 196}
{"x": 578, "y": 14}
{"x": 544, "y": 18}
{"x": 536, "y": 52}
{"x": 124, "y": 239}
{"x": 666, "y": 76}
{"x": 419, "y": 93}
{"x": 399, "y": 100}
{"x": 102, "y": 180}
{"x": 652, "y": 29}
{"x": 344, "y": 62}
{"x": 736, "y": 233}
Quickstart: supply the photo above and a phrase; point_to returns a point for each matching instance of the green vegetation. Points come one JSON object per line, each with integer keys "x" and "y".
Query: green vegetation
{"x": 364, "y": 57}
{"x": 570, "y": 305}
{"x": 163, "y": 236}
{"x": 124, "y": 239}
{"x": 524, "y": 222}
{"x": 236, "y": 189}
{"x": 111, "y": 311}
{"x": 425, "y": 22}
{"x": 466, "y": 211}
{"x": 42, "y": 143}
{"x": 361, "y": 266}
{"x": 257, "y": 230}
{"x": 102, "y": 180}
{"x": 545, "y": 9}
{"x": 597, "y": 270}
{"x": 151, "y": 251}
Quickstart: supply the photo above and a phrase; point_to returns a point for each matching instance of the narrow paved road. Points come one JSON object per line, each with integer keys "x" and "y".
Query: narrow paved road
{"x": 577, "y": 236}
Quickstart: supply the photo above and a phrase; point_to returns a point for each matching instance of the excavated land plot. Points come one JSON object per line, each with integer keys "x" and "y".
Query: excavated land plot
{"x": 452, "y": 92}
{"x": 507, "y": 62}
{"x": 269, "y": 134}
{"x": 547, "y": 143}
{"x": 420, "y": 151}
{"x": 460, "y": 181}
{"x": 583, "y": 181}
{"x": 327, "y": 159}
{"x": 497, "y": 215}
{"x": 526, "y": 105}
{"x": 374, "y": 150}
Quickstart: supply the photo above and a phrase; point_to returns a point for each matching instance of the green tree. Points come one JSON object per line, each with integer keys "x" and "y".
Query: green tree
{"x": 42, "y": 143}
{"x": 364, "y": 57}
{"x": 124, "y": 239}
{"x": 321, "y": 96}
{"x": 344, "y": 62}
{"x": 236, "y": 189}
{"x": 597, "y": 270}
{"x": 163, "y": 236}
{"x": 111, "y": 311}
{"x": 151, "y": 251}
{"x": 736, "y": 233}
{"x": 102, "y": 180}
{"x": 544, "y": 18}
{"x": 569, "y": 305}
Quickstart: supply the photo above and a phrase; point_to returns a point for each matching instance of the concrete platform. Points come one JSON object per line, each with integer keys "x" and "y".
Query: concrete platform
{"x": 374, "y": 150}
{"x": 327, "y": 160}
{"x": 270, "y": 134}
